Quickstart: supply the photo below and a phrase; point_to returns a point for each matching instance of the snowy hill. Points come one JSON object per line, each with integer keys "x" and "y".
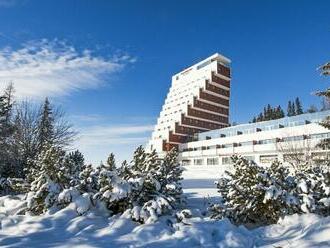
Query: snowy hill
{"x": 66, "y": 228}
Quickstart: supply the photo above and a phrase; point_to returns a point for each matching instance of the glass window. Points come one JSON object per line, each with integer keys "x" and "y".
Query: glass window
{"x": 227, "y": 160}
{"x": 212, "y": 161}
{"x": 198, "y": 161}
{"x": 265, "y": 159}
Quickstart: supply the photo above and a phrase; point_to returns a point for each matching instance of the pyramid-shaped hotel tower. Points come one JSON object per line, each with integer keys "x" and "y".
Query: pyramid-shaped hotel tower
{"x": 197, "y": 101}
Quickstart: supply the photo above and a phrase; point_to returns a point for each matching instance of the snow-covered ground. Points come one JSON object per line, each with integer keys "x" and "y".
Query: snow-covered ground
{"x": 67, "y": 229}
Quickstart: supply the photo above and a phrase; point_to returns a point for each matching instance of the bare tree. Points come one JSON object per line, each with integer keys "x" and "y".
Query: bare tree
{"x": 64, "y": 133}
{"x": 26, "y": 138}
{"x": 297, "y": 152}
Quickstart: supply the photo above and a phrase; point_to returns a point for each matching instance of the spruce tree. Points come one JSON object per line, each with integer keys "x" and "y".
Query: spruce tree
{"x": 293, "y": 109}
{"x": 299, "y": 109}
{"x": 171, "y": 176}
{"x": 74, "y": 165}
{"x": 111, "y": 163}
{"x": 139, "y": 160}
{"x": 7, "y": 130}
{"x": 88, "y": 180}
{"x": 290, "y": 109}
{"x": 49, "y": 179}
{"x": 113, "y": 190}
{"x": 46, "y": 125}
{"x": 279, "y": 112}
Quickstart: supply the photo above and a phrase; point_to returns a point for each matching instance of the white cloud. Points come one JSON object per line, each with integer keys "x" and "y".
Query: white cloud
{"x": 54, "y": 68}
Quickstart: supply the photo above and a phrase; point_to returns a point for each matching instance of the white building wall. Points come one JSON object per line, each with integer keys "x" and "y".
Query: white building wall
{"x": 185, "y": 85}
{"x": 202, "y": 150}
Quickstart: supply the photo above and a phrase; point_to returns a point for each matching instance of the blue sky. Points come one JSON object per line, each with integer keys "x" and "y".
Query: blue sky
{"x": 109, "y": 63}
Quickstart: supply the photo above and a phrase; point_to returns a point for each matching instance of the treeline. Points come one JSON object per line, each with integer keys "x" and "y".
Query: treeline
{"x": 34, "y": 160}
{"x": 273, "y": 113}
{"x": 25, "y": 129}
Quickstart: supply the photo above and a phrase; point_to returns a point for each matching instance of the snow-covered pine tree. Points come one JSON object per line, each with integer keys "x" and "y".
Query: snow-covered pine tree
{"x": 45, "y": 138}
{"x": 254, "y": 195}
{"x": 291, "y": 110}
{"x": 88, "y": 180}
{"x": 111, "y": 163}
{"x": 46, "y": 125}
{"x": 49, "y": 179}
{"x": 299, "y": 109}
{"x": 8, "y": 166}
{"x": 138, "y": 163}
{"x": 74, "y": 165}
{"x": 312, "y": 187}
{"x": 113, "y": 191}
{"x": 125, "y": 171}
{"x": 160, "y": 191}
{"x": 144, "y": 182}
{"x": 171, "y": 177}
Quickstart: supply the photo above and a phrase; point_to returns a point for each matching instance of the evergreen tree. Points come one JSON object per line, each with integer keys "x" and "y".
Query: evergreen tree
{"x": 49, "y": 179}
{"x": 279, "y": 112}
{"x": 138, "y": 163}
{"x": 299, "y": 109}
{"x": 113, "y": 191}
{"x": 260, "y": 117}
{"x": 88, "y": 180}
{"x": 7, "y": 130}
{"x": 254, "y": 195}
{"x": 291, "y": 111}
{"x": 158, "y": 190}
{"x": 111, "y": 163}
{"x": 46, "y": 125}
{"x": 74, "y": 165}
{"x": 269, "y": 113}
{"x": 171, "y": 176}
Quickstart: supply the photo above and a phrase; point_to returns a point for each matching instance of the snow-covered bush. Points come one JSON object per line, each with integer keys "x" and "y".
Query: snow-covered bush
{"x": 313, "y": 189}
{"x": 81, "y": 202}
{"x": 255, "y": 195}
{"x": 146, "y": 188}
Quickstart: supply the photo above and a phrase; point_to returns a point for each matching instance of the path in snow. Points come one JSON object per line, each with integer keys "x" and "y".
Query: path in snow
{"x": 198, "y": 185}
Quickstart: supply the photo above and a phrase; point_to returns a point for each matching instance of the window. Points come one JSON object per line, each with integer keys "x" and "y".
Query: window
{"x": 321, "y": 156}
{"x": 212, "y": 161}
{"x": 267, "y": 141}
{"x": 198, "y": 161}
{"x": 227, "y": 161}
{"x": 265, "y": 159}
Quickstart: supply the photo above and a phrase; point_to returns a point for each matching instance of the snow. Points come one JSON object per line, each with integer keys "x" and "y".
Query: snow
{"x": 80, "y": 224}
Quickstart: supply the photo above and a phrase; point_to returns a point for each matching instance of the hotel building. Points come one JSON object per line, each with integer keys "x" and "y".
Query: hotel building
{"x": 291, "y": 139}
{"x": 195, "y": 120}
{"x": 197, "y": 101}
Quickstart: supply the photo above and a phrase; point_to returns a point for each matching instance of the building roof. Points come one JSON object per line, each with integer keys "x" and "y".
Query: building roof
{"x": 266, "y": 125}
